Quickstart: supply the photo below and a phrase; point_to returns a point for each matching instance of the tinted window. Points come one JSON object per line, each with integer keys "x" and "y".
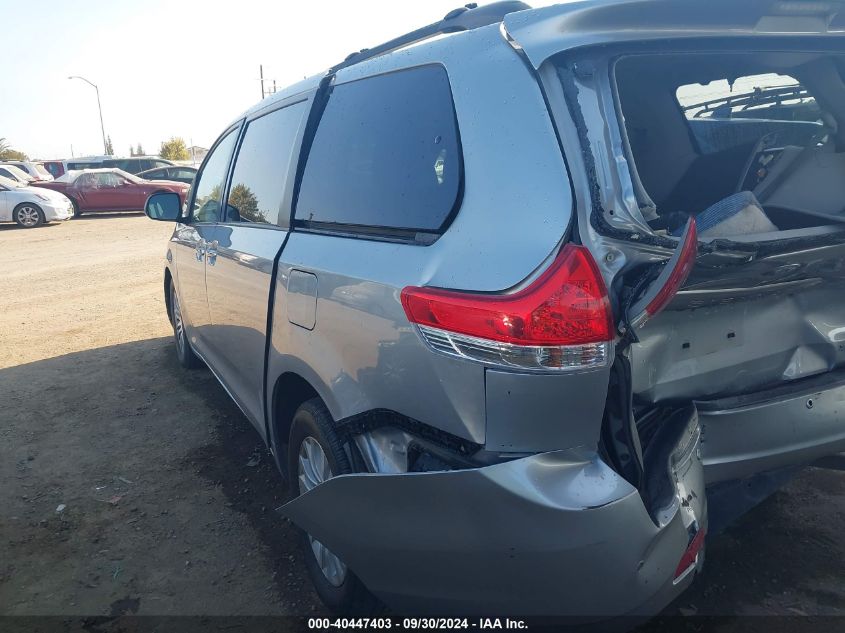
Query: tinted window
{"x": 184, "y": 174}
{"x": 210, "y": 181}
{"x": 386, "y": 154}
{"x": 258, "y": 181}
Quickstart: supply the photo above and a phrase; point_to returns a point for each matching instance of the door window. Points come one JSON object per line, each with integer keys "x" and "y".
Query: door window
{"x": 264, "y": 158}
{"x": 109, "y": 180}
{"x": 209, "y": 183}
{"x": 86, "y": 181}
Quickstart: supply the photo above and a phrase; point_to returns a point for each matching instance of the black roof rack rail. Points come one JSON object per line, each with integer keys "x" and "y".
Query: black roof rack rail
{"x": 465, "y": 18}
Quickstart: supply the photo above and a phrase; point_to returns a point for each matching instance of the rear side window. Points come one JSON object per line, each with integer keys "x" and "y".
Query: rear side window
{"x": 386, "y": 154}
{"x": 258, "y": 182}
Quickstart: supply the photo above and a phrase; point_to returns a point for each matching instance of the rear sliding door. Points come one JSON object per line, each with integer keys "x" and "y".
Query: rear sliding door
{"x": 240, "y": 259}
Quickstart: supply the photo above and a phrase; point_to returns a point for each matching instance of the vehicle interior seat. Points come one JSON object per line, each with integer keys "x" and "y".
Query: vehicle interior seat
{"x": 738, "y": 214}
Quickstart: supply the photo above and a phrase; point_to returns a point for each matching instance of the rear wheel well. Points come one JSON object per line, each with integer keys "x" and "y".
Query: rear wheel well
{"x": 290, "y": 391}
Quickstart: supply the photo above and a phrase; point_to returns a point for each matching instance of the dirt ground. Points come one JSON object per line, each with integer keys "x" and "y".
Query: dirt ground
{"x": 128, "y": 485}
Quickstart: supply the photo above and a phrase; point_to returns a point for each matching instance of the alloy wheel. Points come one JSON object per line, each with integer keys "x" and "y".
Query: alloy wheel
{"x": 178, "y": 325}
{"x": 314, "y": 469}
{"x": 28, "y": 216}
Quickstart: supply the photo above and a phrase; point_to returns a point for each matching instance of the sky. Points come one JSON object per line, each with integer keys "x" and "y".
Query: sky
{"x": 171, "y": 68}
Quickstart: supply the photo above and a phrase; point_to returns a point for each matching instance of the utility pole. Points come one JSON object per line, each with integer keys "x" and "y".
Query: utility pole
{"x": 261, "y": 74}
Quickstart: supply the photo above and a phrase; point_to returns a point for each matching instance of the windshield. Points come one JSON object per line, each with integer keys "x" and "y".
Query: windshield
{"x": 69, "y": 176}
{"x": 770, "y": 96}
{"x": 41, "y": 171}
{"x": 19, "y": 173}
{"x": 8, "y": 183}
{"x": 129, "y": 177}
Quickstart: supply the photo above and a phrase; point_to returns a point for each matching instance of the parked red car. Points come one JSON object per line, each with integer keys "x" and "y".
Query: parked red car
{"x": 109, "y": 190}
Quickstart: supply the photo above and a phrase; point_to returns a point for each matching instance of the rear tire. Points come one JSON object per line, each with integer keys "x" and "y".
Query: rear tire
{"x": 28, "y": 215}
{"x": 184, "y": 353}
{"x": 315, "y": 453}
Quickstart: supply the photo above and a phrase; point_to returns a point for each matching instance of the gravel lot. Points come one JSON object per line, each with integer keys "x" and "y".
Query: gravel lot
{"x": 128, "y": 485}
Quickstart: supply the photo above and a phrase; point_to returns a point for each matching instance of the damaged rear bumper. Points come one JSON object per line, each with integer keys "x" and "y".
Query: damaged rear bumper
{"x": 789, "y": 425}
{"x": 554, "y": 534}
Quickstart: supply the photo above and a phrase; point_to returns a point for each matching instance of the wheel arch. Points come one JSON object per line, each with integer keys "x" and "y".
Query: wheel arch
{"x": 28, "y": 203}
{"x": 290, "y": 390}
{"x": 168, "y": 279}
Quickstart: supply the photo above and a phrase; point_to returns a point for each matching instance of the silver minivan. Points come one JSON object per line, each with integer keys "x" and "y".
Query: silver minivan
{"x": 526, "y": 302}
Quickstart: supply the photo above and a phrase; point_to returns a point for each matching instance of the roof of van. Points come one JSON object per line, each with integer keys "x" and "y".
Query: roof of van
{"x": 546, "y": 31}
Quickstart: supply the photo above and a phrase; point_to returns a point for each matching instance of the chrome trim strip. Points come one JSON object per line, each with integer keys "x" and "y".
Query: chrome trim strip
{"x": 552, "y": 358}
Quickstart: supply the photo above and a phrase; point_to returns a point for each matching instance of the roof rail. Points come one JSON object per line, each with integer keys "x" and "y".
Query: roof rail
{"x": 465, "y": 18}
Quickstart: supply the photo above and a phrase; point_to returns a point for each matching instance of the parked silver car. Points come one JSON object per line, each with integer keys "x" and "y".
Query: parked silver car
{"x": 30, "y": 207}
{"x": 515, "y": 309}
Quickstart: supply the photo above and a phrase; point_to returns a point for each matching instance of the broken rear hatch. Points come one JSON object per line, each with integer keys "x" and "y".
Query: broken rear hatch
{"x": 757, "y": 342}
{"x": 754, "y": 337}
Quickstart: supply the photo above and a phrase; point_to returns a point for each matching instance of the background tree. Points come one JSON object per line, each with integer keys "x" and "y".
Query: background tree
{"x": 174, "y": 149}
{"x": 139, "y": 151}
{"x": 243, "y": 199}
{"x": 109, "y": 147}
{"x": 7, "y": 153}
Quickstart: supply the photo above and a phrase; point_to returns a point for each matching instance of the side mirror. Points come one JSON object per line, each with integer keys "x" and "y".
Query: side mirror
{"x": 165, "y": 206}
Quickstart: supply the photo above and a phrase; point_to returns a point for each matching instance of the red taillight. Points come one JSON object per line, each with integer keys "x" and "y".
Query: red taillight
{"x": 679, "y": 275}
{"x": 566, "y": 305}
{"x": 691, "y": 554}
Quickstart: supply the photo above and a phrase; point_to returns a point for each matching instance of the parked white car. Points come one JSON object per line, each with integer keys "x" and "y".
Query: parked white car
{"x": 36, "y": 170}
{"x": 11, "y": 172}
{"x": 30, "y": 207}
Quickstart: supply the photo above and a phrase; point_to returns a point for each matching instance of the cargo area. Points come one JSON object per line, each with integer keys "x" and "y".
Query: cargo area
{"x": 748, "y": 143}
{"x": 752, "y": 146}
